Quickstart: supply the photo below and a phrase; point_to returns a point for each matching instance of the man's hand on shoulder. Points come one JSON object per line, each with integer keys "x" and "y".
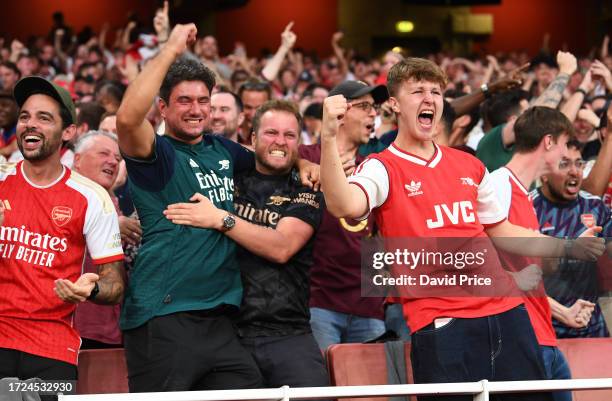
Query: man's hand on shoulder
{"x": 310, "y": 174}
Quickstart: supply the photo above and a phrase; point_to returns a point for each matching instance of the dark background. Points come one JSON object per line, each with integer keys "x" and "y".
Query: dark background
{"x": 369, "y": 25}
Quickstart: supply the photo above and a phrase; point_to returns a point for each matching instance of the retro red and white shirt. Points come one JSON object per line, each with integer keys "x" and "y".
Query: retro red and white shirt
{"x": 518, "y": 209}
{"x": 448, "y": 195}
{"x": 43, "y": 238}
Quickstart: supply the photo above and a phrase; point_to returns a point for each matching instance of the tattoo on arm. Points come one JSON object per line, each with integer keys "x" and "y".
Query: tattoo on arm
{"x": 111, "y": 283}
{"x": 552, "y": 96}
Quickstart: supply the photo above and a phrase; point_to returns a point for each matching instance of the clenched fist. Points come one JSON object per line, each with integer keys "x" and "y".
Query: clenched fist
{"x": 567, "y": 62}
{"x": 334, "y": 109}
{"x": 181, "y": 37}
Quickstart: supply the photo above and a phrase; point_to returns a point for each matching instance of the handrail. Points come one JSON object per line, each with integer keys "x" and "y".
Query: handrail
{"x": 480, "y": 391}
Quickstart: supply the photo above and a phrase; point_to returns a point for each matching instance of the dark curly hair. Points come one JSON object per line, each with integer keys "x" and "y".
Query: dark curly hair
{"x": 186, "y": 68}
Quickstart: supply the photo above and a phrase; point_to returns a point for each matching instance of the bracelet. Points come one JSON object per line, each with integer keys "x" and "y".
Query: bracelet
{"x": 580, "y": 90}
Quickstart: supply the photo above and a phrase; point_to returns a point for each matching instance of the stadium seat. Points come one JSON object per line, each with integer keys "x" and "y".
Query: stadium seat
{"x": 365, "y": 364}
{"x": 362, "y": 364}
{"x": 102, "y": 371}
{"x": 589, "y": 358}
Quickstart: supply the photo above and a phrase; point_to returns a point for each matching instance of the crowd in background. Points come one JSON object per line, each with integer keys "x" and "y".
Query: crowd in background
{"x": 484, "y": 97}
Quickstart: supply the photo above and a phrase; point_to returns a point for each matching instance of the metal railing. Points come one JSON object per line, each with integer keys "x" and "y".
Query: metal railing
{"x": 479, "y": 390}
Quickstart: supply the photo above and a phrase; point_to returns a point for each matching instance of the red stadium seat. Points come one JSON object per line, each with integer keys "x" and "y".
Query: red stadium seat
{"x": 102, "y": 371}
{"x": 362, "y": 364}
{"x": 589, "y": 358}
{"x": 365, "y": 364}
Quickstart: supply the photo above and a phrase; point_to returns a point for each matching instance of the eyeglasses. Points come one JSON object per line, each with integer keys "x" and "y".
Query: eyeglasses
{"x": 366, "y": 106}
{"x": 565, "y": 164}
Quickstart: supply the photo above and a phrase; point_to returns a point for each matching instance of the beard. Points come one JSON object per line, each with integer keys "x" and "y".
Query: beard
{"x": 46, "y": 148}
{"x": 276, "y": 169}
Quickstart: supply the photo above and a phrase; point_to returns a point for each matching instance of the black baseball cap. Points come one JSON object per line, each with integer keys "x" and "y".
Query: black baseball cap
{"x": 355, "y": 89}
{"x": 31, "y": 85}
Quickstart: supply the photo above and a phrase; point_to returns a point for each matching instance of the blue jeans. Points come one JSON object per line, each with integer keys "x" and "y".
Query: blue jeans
{"x": 330, "y": 327}
{"x": 394, "y": 320}
{"x": 556, "y": 369}
{"x": 499, "y": 347}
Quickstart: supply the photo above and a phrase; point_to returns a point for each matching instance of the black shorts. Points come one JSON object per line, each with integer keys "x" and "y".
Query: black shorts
{"x": 188, "y": 351}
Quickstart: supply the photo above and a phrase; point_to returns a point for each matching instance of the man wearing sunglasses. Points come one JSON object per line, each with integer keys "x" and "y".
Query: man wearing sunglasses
{"x": 564, "y": 210}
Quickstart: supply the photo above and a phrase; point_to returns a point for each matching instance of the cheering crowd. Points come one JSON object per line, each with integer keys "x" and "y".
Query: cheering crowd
{"x": 207, "y": 213}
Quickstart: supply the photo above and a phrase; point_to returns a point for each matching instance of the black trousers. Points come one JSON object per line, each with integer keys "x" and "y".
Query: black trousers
{"x": 19, "y": 364}
{"x": 188, "y": 351}
{"x": 294, "y": 360}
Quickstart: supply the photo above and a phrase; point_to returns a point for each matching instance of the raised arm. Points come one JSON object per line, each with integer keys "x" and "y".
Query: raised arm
{"x": 554, "y": 92}
{"x": 59, "y": 52}
{"x": 288, "y": 38}
{"x": 598, "y": 179}
{"x": 574, "y": 103}
{"x": 135, "y": 133}
{"x": 341, "y": 198}
{"x": 462, "y": 105}
{"x": 339, "y": 53}
{"x": 161, "y": 23}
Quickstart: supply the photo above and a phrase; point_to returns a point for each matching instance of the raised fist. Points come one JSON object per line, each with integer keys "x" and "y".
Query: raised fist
{"x": 567, "y": 62}
{"x": 181, "y": 37}
{"x": 334, "y": 109}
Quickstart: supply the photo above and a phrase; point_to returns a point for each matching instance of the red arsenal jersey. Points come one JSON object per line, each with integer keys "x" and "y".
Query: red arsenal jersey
{"x": 517, "y": 206}
{"x": 448, "y": 195}
{"x": 42, "y": 239}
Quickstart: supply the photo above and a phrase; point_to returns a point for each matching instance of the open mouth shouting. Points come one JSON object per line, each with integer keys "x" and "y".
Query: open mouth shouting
{"x": 31, "y": 141}
{"x": 426, "y": 118}
{"x": 572, "y": 186}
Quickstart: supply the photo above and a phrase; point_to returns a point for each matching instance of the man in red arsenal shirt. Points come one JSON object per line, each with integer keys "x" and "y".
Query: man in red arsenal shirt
{"x": 541, "y": 140}
{"x": 50, "y": 215}
{"x": 419, "y": 189}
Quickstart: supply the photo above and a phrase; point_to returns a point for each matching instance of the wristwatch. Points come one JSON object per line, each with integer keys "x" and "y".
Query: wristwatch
{"x": 485, "y": 90}
{"x": 94, "y": 292}
{"x": 229, "y": 221}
